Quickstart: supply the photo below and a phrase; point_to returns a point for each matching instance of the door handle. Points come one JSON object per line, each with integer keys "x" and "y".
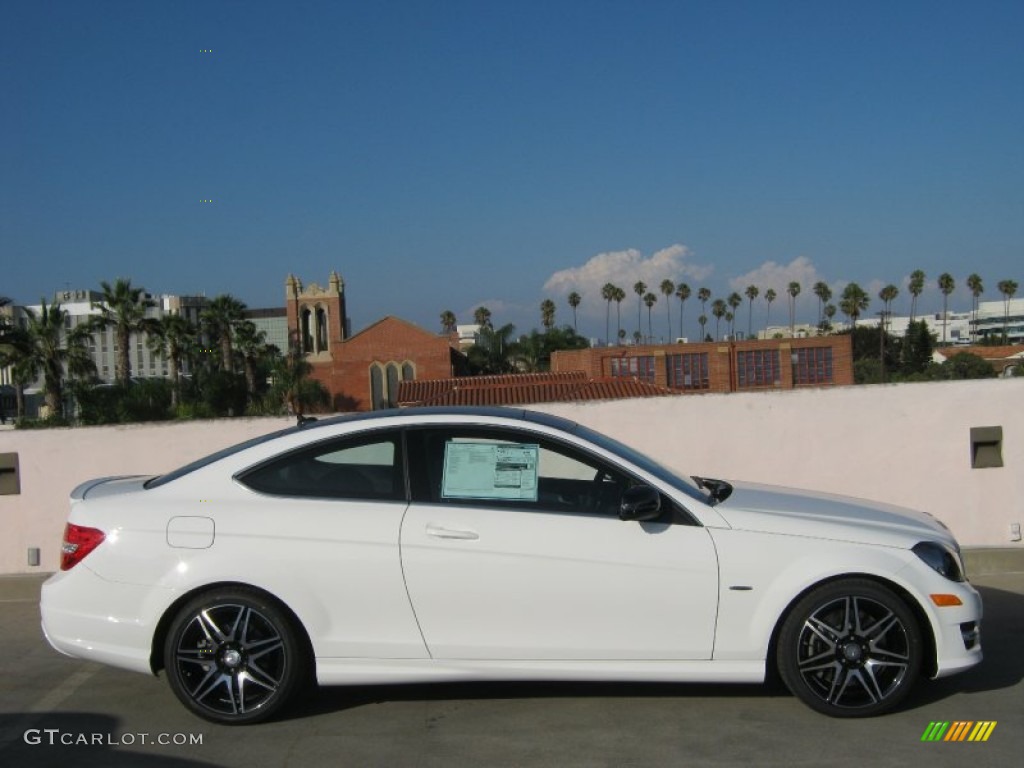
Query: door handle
{"x": 440, "y": 532}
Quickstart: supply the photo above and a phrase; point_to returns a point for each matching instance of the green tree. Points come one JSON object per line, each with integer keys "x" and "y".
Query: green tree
{"x": 963, "y": 365}
{"x": 123, "y": 307}
{"x": 734, "y": 300}
{"x": 482, "y": 317}
{"x": 650, "y": 300}
{"x": 574, "y": 301}
{"x": 830, "y": 312}
{"x": 977, "y": 288}
{"x": 853, "y": 302}
{"x": 608, "y": 291}
{"x": 702, "y": 296}
{"x": 448, "y": 322}
{"x": 667, "y": 289}
{"x": 682, "y": 293}
{"x": 918, "y": 345}
{"x": 703, "y": 321}
{"x": 219, "y": 319}
{"x": 793, "y": 289}
{"x": 718, "y": 309}
{"x": 752, "y": 293}
{"x": 494, "y": 351}
{"x": 887, "y": 295}
{"x": 639, "y": 288}
{"x": 547, "y": 314}
{"x": 769, "y": 297}
{"x": 1008, "y": 288}
{"x": 946, "y": 285}
{"x": 824, "y": 294}
{"x": 173, "y": 338}
{"x": 620, "y": 294}
{"x": 57, "y": 353}
{"x": 294, "y": 387}
{"x": 251, "y": 346}
{"x": 916, "y": 287}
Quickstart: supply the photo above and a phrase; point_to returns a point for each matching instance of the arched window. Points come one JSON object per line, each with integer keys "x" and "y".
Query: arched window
{"x": 408, "y": 371}
{"x": 394, "y": 376}
{"x": 305, "y": 331}
{"x": 377, "y": 395}
{"x": 321, "y": 329}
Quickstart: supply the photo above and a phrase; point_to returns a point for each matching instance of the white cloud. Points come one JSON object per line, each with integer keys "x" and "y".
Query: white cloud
{"x": 624, "y": 268}
{"x": 771, "y": 274}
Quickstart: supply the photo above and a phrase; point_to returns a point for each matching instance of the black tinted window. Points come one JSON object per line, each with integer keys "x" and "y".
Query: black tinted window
{"x": 368, "y": 467}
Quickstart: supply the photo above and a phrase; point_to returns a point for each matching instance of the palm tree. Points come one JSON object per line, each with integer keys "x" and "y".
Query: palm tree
{"x": 482, "y": 317}
{"x": 251, "y": 346}
{"x": 916, "y": 287}
{"x": 977, "y": 288}
{"x": 16, "y": 356}
{"x": 448, "y": 322}
{"x": 294, "y": 387}
{"x": 608, "y": 291}
{"x": 718, "y": 308}
{"x": 853, "y": 302}
{"x": 494, "y": 351}
{"x": 830, "y": 312}
{"x": 1008, "y": 288}
{"x": 123, "y": 308}
{"x": 946, "y": 285}
{"x": 734, "y": 302}
{"x": 619, "y": 296}
{"x": 574, "y": 301}
{"x": 824, "y": 294}
{"x": 702, "y": 296}
{"x": 56, "y": 353}
{"x": 667, "y": 288}
{"x": 793, "y": 290}
{"x": 769, "y": 297}
{"x": 639, "y": 288}
{"x": 650, "y": 300}
{"x": 702, "y": 321}
{"x": 173, "y": 337}
{"x": 887, "y": 295}
{"x": 547, "y": 314}
{"x": 219, "y": 319}
{"x": 751, "y": 292}
{"x": 682, "y": 293}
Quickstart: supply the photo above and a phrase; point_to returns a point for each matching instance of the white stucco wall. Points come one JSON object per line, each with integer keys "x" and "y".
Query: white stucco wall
{"x": 906, "y": 444}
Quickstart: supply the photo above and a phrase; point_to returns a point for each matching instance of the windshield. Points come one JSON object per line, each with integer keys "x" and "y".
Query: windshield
{"x": 644, "y": 462}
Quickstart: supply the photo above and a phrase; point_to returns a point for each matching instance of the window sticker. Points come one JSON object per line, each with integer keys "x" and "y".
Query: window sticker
{"x": 490, "y": 471}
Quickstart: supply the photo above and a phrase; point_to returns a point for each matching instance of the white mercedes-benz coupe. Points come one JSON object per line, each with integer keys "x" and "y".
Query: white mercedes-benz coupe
{"x": 496, "y": 544}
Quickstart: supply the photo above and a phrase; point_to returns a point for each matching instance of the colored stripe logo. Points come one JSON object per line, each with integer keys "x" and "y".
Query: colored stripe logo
{"x": 959, "y": 730}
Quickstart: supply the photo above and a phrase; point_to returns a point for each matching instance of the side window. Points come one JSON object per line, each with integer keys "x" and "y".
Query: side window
{"x": 503, "y": 468}
{"x": 369, "y": 467}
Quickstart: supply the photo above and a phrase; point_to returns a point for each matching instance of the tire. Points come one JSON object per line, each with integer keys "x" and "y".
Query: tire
{"x": 234, "y": 657}
{"x": 851, "y": 648}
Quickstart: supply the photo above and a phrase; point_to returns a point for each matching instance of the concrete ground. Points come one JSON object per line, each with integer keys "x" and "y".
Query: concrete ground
{"x": 46, "y": 698}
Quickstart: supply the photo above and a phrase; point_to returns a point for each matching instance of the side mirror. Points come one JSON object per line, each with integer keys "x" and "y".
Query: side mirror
{"x": 641, "y": 503}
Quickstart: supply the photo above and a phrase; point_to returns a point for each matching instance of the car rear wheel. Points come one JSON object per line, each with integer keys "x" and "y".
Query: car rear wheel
{"x": 852, "y": 648}
{"x": 233, "y": 656}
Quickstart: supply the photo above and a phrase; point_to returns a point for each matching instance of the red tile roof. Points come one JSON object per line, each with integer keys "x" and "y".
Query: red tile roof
{"x": 986, "y": 353}
{"x": 521, "y": 389}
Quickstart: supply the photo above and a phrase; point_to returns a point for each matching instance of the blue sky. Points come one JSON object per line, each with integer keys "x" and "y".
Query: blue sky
{"x": 444, "y": 155}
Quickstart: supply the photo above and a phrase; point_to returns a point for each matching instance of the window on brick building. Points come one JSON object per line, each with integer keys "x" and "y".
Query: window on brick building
{"x": 813, "y": 366}
{"x": 758, "y": 368}
{"x": 688, "y": 371}
{"x": 640, "y": 367}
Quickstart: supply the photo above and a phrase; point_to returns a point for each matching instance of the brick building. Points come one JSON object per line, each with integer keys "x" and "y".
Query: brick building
{"x": 727, "y": 366}
{"x": 362, "y": 371}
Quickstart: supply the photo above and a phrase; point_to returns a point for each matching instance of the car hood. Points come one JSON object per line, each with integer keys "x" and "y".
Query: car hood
{"x": 792, "y": 512}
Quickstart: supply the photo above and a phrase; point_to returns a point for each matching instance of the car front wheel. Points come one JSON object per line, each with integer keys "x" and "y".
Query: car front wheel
{"x": 232, "y": 656}
{"x": 852, "y": 648}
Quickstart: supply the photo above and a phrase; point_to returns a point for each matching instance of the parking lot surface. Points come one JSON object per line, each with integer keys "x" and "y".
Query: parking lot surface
{"x": 56, "y": 711}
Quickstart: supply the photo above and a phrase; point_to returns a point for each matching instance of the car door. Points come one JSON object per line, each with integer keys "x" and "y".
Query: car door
{"x": 512, "y": 549}
{"x": 331, "y": 517}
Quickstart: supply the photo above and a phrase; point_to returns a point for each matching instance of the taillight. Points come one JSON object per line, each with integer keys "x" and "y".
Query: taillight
{"x": 79, "y": 541}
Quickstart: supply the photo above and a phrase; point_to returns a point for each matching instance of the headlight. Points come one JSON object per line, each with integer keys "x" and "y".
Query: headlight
{"x": 940, "y": 559}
